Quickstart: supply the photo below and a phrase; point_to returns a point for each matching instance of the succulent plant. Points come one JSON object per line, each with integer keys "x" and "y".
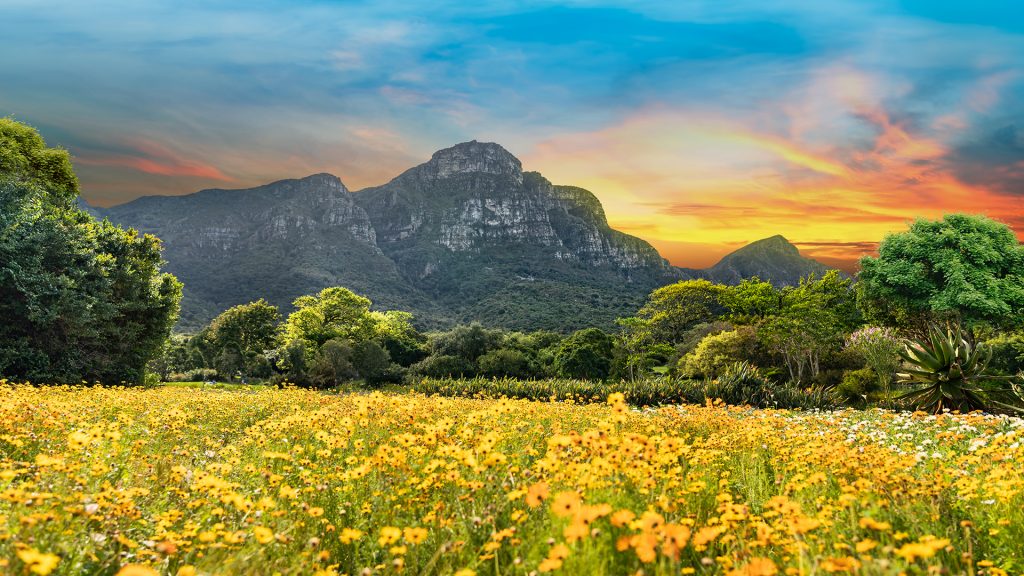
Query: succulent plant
{"x": 947, "y": 372}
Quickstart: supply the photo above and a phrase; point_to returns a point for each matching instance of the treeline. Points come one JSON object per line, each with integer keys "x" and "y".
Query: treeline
{"x": 334, "y": 337}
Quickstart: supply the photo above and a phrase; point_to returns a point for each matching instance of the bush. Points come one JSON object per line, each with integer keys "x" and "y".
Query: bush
{"x": 586, "y": 354}
{"x": 332, "y": 364}
{"x": 441, "y": 366}
{"x": 1007, "y": 353}
{"x": 743, "y": 388}
{"x": 858, "y": 386}
{"x": 718, "y": 351}
{"x": 506, "y": 362}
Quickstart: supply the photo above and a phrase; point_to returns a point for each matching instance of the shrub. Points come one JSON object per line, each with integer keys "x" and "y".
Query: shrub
{"x": 443, "y": 365}
{"x": 858, "y": 386}
{"x": 1007, "y": 353}
{"x": 585, "y": 354}
{"x": 506, "y": 362}
{"x": 718, "y": 351}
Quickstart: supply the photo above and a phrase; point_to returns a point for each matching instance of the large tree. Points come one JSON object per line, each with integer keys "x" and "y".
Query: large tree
{"x": 671, "y": 311}
{"x": 335, "y": 313}
{"x": 963, "y": 267}
{"x": 79, "y": 299}
{"x": 242, "y": 334}
{"x": 586, "y": 354}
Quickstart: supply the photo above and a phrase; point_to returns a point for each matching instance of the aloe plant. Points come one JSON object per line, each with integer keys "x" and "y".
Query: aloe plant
{"x": 947, "y": 372}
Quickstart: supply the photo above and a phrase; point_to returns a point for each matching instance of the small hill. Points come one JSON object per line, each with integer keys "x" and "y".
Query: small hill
{"x": 774, "y": 259}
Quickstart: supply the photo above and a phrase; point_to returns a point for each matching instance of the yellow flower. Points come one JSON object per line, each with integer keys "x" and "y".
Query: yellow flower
{"x": 756, "y": 567}
{"x": 466, "y": 572}
{"x": 865, "y": 545}
{"x": 316, "y": 512}
{"x": 263, "y": 534}
{"x": 415, "y": 535}
{"x": 38, "y": 562}
{"x": 565, "y": 504}
{"x": 349, "y": 535}
{"x": 389, "y": 535}
{"x": 186, "y": 570}
{"x": 536, "y": 494}
{"x": 872, "y": 524}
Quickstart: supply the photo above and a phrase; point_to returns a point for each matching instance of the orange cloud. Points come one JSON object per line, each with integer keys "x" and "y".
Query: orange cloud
{"x": 154, "y": 158}
{"x": 693, "y": 181}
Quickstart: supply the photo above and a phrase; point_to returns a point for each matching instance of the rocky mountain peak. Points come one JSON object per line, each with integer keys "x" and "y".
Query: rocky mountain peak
{"x": 473, "y": 158}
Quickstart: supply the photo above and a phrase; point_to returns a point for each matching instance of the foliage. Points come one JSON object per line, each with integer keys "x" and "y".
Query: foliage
{"x": 335, "y": 313}
{"x": 673, "y": 310}
{"x": 506, "y": 362}
{"x": 241, "y": 336}
{"x": 880, "y": 348}
{"x": 80, "y": 299}
{"x": 443, "y": 365}
{"x": 373, "y": 364}
{"x": 1007, "y": 353}
{"x": 585, "y": 354}
{"x": 332, "y": 364}
{"x": 809, "y": 323}
{"x": 25, "y": 159}
{"x": 751, "y": 300}
{"x": 717, "y": 351}
{"x": 948, "y": 373}
{"x": 858, "y": 386}
{"x": 967, "y": 267}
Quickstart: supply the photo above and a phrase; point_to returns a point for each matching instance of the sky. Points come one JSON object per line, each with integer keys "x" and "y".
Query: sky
{"x": 701, "y": 126}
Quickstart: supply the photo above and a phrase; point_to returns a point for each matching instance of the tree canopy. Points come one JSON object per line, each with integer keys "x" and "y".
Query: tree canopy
{"x": 25, "y": 158}
{"x": 964, "y": 266}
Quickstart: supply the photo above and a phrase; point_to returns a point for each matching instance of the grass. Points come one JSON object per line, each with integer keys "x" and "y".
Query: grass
{"x": 186, "y": 480}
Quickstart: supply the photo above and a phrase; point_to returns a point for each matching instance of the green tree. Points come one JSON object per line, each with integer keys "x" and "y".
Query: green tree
{"x": 334, "y": 314}
{"x": 751, "y": 300}
{"x": 586, "y": 354}
{"x": 25, "y": 158}
{"x": 395, "y": 332}
{"x": 809, "y": 323}
{"x": 672, "y": 310}
{"x": 243, "y": 334}
{"x": 963, "y": 266}
{"x": 80, "y": 299}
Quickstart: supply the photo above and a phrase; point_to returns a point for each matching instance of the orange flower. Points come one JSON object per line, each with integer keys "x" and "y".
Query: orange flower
{"x": 536, "y": 494}
{"x": 566, "y": 504}
{"x": 756, "y": 567}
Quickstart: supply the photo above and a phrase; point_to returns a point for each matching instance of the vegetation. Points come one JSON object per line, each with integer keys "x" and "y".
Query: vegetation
{"x": 964, "y": 268}
{"x": 949, "y": 373}
{"x": 201, "y": 481}
{"x": 79, "y": 299}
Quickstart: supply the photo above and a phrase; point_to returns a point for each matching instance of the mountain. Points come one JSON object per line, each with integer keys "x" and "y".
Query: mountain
{"x": 467, "y": 235}
{"x": 774, "y": 259}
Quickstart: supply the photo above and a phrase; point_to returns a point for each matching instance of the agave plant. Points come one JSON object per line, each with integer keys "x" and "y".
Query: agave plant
{"x": 947, "y": 372}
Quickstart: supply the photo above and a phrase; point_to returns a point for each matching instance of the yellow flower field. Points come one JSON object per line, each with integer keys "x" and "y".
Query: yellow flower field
{"x": 265, "y": 481}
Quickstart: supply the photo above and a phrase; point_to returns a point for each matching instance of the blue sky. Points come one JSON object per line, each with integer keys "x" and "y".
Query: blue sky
{"x": 700, "y": 125}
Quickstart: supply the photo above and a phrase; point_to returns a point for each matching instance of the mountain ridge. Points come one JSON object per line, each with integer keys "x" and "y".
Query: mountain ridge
{"x": 467, "y": 235}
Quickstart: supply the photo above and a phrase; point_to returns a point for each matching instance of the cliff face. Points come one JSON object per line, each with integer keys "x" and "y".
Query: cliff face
{"x": 465, "y": 236}
{"x": 475, "y": 197}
